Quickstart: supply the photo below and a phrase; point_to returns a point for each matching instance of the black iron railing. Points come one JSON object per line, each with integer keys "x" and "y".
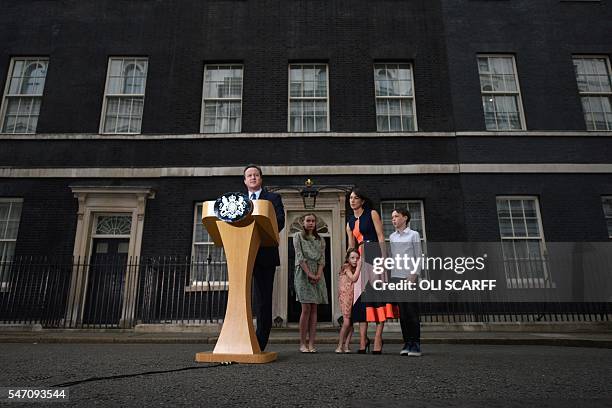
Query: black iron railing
{"x": 117, "y": 292}
{"x": 113, "y": 292}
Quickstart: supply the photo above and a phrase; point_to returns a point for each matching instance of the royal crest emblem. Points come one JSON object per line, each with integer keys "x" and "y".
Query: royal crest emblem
{"x": 233, "y": 207}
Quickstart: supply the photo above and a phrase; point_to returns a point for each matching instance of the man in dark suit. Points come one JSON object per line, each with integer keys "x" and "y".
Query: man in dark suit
{"x": 267, "y": 258}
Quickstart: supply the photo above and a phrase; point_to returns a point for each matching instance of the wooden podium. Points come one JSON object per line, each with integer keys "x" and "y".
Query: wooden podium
{"x": 241, "y": 240}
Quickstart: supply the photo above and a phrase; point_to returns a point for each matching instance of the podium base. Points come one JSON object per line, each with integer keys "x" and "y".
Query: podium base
{"x": 260, "y": 358}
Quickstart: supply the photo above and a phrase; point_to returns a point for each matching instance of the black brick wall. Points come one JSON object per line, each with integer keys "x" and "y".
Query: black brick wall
{"x": 570, "y": 204}
{"x": 441, "y": 37}
{"x": 457, "y": 207}
{"x": 542, "y": 35}
{"x": 180, "y": 36}
{"x": 226, "y": 152}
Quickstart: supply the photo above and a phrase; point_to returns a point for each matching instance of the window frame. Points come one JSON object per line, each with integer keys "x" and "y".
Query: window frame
{"x": 5, "y": 283}
{"x": 545, "y": 281}
{"x": 518, "y": 92}
{"x": 582, "y": 94}
{"x": 606, "y": 216}
{"x": 399, "y": 97}
{"x": 201, "y": 285}
{"x": 204, "y": 99}
{"x": 106, "y": 95}
{"x": 6, "y": 95}
{"x": 302, "y": 98}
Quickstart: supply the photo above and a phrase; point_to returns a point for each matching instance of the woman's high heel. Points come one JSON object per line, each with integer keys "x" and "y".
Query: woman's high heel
{"x": 366, "y": 349}
{"x": 382, "y": 343}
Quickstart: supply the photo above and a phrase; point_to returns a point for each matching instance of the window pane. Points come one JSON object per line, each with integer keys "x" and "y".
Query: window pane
{"x": 11, "y": 229}
{"x": 5, "y": 211}
{"x": 295, "y": 73}
{"x": 382, "y": 106}
{"x": 407, "y": 123}
{"x": 516, "y": 208}
{"x": 308, "y": 88}
{"x": 7, "y": 251}
{"x": 296, "y": 89}
{"x": 508, "y": 249}
{"x": 505, "y": 227}
{"x": 533, "y": 229}
{"x": 607, "y": 206}
{"x": 382, "y": 123}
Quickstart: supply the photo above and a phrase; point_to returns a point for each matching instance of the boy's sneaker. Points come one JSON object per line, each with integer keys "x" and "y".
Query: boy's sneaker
{"x": 405, "y": 350}
{"x": 414, "y": 350}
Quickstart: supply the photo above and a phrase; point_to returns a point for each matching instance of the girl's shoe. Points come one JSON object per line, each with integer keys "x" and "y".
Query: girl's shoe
{"x": 304, "y": 349}
{"x": 347, "y": 350}
{"x": 366, "y": 349}
{"x": 340, "y": 350}
{"x": 312, "y": 350}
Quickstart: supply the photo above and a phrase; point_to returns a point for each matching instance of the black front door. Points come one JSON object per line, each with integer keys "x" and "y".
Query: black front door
{"x": 294, "y": 307}
{"x": 105, "y": 283}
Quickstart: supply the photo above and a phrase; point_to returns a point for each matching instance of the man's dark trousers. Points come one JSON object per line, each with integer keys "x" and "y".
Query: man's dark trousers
{"x": 263, "y": 275}
{"x": 263, "y": 284}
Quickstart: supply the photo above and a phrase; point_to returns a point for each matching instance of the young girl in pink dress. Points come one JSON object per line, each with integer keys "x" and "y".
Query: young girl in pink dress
{"x": 349, "y": 273}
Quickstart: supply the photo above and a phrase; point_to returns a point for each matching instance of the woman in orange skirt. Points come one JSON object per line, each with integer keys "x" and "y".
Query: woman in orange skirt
{"x": 364, "y": 226}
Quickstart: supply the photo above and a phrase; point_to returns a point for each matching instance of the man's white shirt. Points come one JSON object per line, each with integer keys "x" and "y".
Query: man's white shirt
{"x": 257, "y": 193}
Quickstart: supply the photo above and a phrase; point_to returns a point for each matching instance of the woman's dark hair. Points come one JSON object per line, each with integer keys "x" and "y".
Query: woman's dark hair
{"x": 404, "y": 212}
{"x": 367, "y": 203}
{"x": 314, "y": 231}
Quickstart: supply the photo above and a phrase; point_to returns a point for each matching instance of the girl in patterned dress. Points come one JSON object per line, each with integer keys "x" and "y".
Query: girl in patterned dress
{"x": 349, "y": 273}
{"x": 309, "y": 281}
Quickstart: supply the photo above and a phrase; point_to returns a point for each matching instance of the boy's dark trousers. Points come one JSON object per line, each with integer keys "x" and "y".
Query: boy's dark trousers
{"x": 409, "y": 320}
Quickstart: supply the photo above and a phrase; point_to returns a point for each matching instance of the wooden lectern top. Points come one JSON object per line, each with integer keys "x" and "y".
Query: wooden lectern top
{"x": 263, "y": 214}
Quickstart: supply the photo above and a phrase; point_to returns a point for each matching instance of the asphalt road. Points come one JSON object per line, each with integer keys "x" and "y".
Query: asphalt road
{"x": 446, "y": 376}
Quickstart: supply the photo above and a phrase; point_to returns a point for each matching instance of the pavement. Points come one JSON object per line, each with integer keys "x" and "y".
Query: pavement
{"x": 574, "y": 335}
{"x": 447, "y": 375}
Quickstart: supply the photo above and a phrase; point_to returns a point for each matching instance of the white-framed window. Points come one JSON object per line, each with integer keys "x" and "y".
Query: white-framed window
{"x": 23, "y": 93}
{"x": 523, "y": 244}
{"x": 308, "y": 98}
{"x": 501, "y": 92}
{"x": 209, "y": 267}
{"x": 10, "y": 216}
{"x": 595, "y": 89}
{"x": 607, "y": 209}
{"x": 124, "y": 95}
{"x": 222, "y": 99}
{"x": 394, "y": 93}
